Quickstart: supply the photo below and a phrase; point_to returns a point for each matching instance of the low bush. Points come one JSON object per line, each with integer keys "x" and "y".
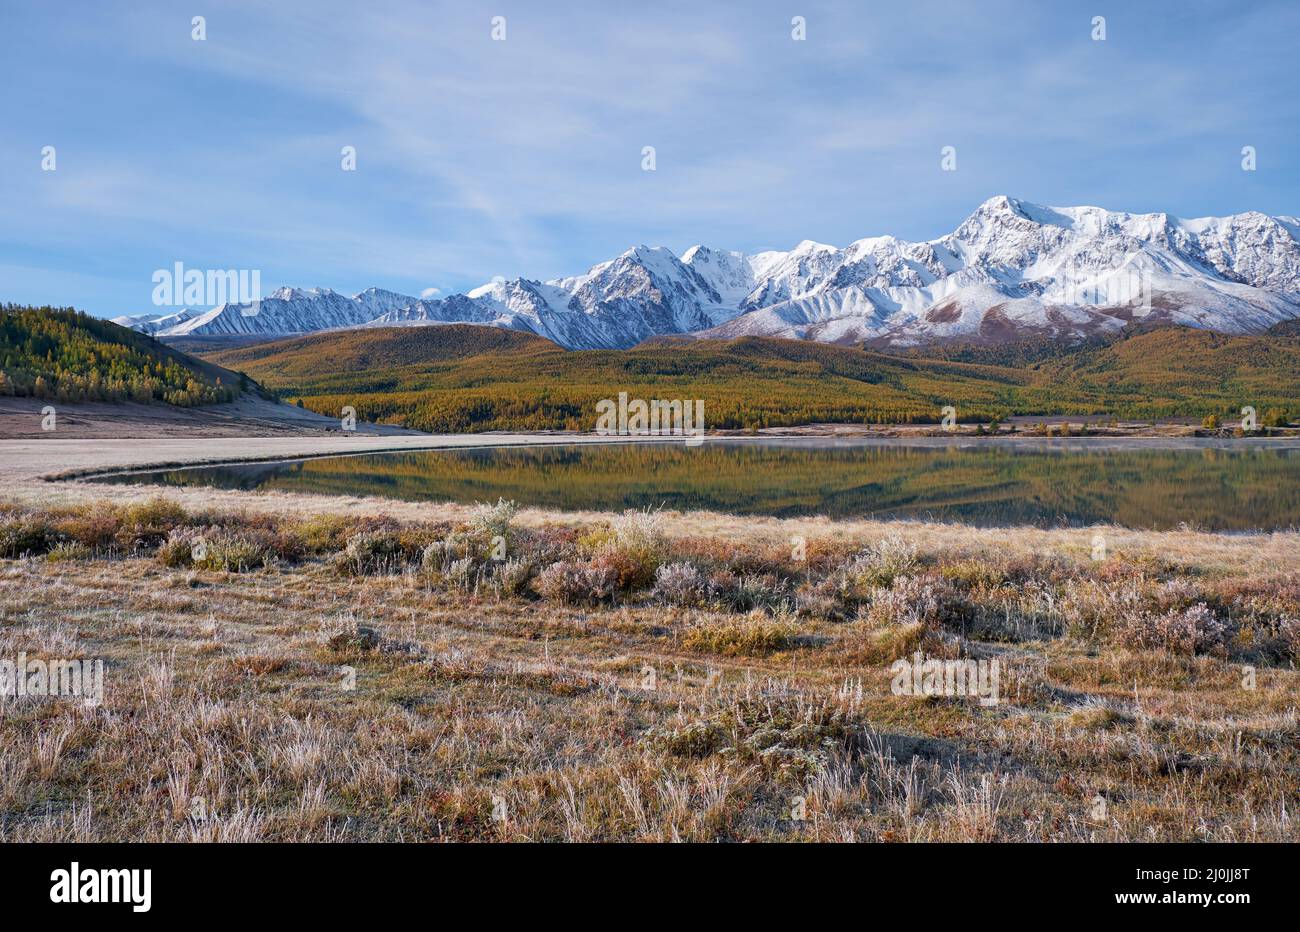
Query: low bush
{"x": 510, "y": 578}
{"x": 230, "y": 553}
{"x": 461, "y": 574}
{"x": 1194, "y": 630}
{"x": 26, "y": 536}
{"x": 572, "y": 583}
{"x": 490, "y": 522}
{"x": 747, "y": 593}
{"x": 324, "y": 533}
{"x": 929, "y": 601}
{"x": 95, "y": 527}
{"x": 634, "y": 549}
{"x": 370, "y": 553}
{"x": 819, "y": 599}
{"x": 177, "y": 551}
{"x": 681, "y": 584}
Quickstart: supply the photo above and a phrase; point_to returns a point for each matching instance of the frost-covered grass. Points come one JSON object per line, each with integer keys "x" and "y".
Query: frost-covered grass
{"x": 637, "y": 677}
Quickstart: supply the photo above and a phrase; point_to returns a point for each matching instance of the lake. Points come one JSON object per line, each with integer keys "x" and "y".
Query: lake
{"x": 1217, "y": 485}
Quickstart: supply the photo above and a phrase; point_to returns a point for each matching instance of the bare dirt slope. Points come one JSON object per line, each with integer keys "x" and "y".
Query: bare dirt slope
{"x": 250, "y": 416}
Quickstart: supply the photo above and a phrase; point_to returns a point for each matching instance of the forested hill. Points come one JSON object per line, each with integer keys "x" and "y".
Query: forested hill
{"x": 64, "y": 355}
{"x": 466, "y": 378}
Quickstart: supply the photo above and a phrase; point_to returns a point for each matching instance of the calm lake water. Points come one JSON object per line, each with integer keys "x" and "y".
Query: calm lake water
{"x": 1214, "y": 485}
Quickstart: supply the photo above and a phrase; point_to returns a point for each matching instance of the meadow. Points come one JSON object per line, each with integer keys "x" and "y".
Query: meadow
{"x": 434, "y": 672}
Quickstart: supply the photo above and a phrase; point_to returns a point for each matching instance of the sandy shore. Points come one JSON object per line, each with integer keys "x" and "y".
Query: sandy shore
{"x": 54, "y": 457}
{"x": 250, "y": 416}
{"x": 53, "y": 471}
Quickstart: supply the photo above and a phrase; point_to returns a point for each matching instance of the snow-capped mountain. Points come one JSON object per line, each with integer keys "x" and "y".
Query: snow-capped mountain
{"x": 155, "y": 323}
{"x": 1010, "y": 270}
{"x": 1014, "y": 269}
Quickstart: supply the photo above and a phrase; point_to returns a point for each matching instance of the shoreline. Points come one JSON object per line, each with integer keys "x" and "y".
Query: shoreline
{"x": 30, "y": 464}
{"x": 344, "y": 445}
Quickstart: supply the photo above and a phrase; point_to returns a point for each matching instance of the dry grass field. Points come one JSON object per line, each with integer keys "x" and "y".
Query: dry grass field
{"x": 293, "y": 668}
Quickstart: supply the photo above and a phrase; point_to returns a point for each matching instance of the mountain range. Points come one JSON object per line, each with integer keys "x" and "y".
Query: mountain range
{"x": 1012, "y": 270}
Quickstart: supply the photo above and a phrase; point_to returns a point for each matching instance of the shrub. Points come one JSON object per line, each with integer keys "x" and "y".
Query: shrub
{"x": 325, "y": 533}
{"x": 791, "y": 737}
{"x": 461, "y": 574}
{"x": 750, "y": 592}
{"x": 1288, "y": 633}
{"x": 760, "y": 561}
{"x": 230, "y": 553}
{"x": 212, "y": 549}
{"x": 95, "y": 526}
{"x": 510, "y": 579}
{"x": 634, "y": 548}
{"x": 439, "y": 555}
{"x": 1274, "y": 417}
{"x": 1090, "y": 608}
{"x": 1024, "y": 611}
{"x": 628, "y": 572}
{"x": 490, "y": 521}
{"x": 1176, "y": 595}
{"x": 1096, "y": 714}
{"x": 178, "y": 549}
{"x": 576, "y": 583}
{"x": 692, "y": 739}
{"x": 412, "y": 541}
{"x": 917, "y": 600}
{"x": 282, "y": 543}
{"x": 369, "y": 553}
{"x": 973, "y": 574}
{"x": 883, "y": 645}
{"x": 818, "y": 600}
{"x": 157, "y": 512}
{"x": 639, "y": 532}
{"x": 145, "y": 526}
{"x": 1194, "y": 630}
{"x": 346, "y": 636}
{"x": 433, "y": 559}
{"x": 876, "y": 566}
{"x": 26, "y": 536}
{"x": 681, "y": 584}
{"x": 548, "y": 545}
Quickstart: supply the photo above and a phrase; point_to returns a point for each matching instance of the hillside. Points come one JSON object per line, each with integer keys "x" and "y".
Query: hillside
{"x": 466, "y": 378}
{"x": 1184, "y": 368}
{"x": 61, "y": 354}
{"x": 367, "y": 350}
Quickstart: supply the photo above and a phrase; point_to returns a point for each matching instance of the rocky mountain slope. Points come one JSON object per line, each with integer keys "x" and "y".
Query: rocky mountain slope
{"x": 1011, "y": 271}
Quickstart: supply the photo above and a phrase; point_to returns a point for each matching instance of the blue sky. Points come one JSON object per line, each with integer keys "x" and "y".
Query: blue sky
{"x": 478, "y": 158}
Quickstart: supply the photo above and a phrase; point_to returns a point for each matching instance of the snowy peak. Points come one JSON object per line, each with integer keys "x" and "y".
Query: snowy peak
{"x": 730, "y": 275}
{"x": 286, "y": 311}
{"x": 379, "y": 301}
{"x": 1013, "y": 268}
{"x": 1010, "y": 269}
